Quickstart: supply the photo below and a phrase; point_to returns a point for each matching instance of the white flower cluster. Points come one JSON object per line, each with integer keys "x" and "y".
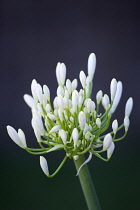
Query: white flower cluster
{"x": 74, "y": 122}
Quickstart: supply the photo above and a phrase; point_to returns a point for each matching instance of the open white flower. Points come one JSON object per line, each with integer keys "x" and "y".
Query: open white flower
{"x": 74, "y": 122}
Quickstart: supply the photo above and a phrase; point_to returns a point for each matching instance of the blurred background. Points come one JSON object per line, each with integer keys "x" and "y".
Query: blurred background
{"x": 34, "y": 36}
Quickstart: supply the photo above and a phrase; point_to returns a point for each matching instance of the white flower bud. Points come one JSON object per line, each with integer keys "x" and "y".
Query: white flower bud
{"x": 99, "y": 96}
{"x": 44, "y": 100}
{"x": 66, "y": 93}
{"x": 58, "y": 73}
{"x": 51, "y": 116}
{"x": 95, "y": 114}
{"x": 76, "y": 157}
{"x": 85, "y": 110}
{"x": 46, "y": 92}
{"x": 55, "y": 105}
{"x": 107, "y": 141}
{"x": 113, "y": 88}
{"x": 33, "y": 89}
{"x": 80, "y": 102}
{"x": 92, "y": 106}
{"x": 81, "y": 92}
{"x": 75, "y": 136}
{"x": 55, "y": 129}
{"x": 48, "y": 108}
{"x": 37, "y": 122}
{"x": 98, "y": 122}
{"x": 75, "y": 98}
{"x": 39, "y": 93}
{"x": 66, "y": 102}
{"x": 90, "y": 127}
{"x": 39, "y": 107}
{"x": 86, "y": 128}
{"x": 62, "y": 73}
{"x": 36, "y": 132}
{"x": 69, "y": 86}
{"x": 115, "y": 126}
{"x": 87, "y": 135}
{"x": 60, "y": 102}
{"x": 44, "y": 165}
{"x": 63, "y": 136}
{"x": 82, "y": 120}
{"x": 60, "y": 91}
{"x": 117, "y": 97}
{"x": 110, "y": 150}
{"x": 74, "y": 84}
{"x": 88, "y": 105}
{"x": 128, "y": 107}
{"x": 19, "y": 139}
{"x": 82, "y": 77}
{"x": 56, "y": 112}
{"x": 126, "y": 123}
{"x": 29, "y": 101}
{"x": 91, "y": 65}
{"x": 88, "y": 80}
{"x": 60, "y": 114}
{"x": 85, "y": 102}
{"x": 105, "y": 101}
{"x": 22, "y": 137}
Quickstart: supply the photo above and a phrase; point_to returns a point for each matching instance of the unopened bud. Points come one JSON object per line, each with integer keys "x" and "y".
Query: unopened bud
{"x": 126, "y": 123}
{"x": 105, "y": 101}
{"x": 98, "y": 122}
{"x": 76, "y": 157}
{"x": 99, "y": 96}
{"x": 63, "y": 136}
{"x": 91, "y": 65}
{"x": 113, "y": 88}
{"x": 75, "y": 99}
{"x": 82, "y": 78}
{"x": 55, "y": 129}
{"x": 44, "y": 165}
{"x": 128, "y": 107}
{"x": 60, "y": 91}
{"x": 82, "y": 120}
{"x": 107, "y": 141}
{"x": 75, "y": 136}
{"x": 115, "y": 126}
{"x": 110, "y": 150}
{"x": 117, "y": 97}
{"x": 69, "y": 86}
{"x": 62, "y": 73}
{"x": 29, "y": 101}
{"x": 74, "y": 84}
{"x": 46, "y": 92}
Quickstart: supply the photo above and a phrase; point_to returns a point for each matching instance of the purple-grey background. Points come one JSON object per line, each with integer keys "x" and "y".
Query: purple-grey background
{"x": 34, "y": 36}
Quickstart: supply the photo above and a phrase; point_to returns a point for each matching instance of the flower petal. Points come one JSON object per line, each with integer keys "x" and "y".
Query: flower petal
{"x": 89, "y": 158}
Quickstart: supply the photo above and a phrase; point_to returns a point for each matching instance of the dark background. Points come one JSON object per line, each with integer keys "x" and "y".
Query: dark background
{"x": 34, "y": 36}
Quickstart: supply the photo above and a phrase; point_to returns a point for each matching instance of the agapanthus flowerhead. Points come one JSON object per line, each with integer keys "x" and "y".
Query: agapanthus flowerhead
{"x": 73, "y": 121}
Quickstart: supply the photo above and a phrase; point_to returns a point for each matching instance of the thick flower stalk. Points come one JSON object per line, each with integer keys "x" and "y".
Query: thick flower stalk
{"x": 73, "y": 122}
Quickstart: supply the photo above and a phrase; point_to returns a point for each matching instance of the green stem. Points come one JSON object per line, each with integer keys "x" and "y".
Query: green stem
{"x": 87, "y": 184}
{"x": 60, "y": 166}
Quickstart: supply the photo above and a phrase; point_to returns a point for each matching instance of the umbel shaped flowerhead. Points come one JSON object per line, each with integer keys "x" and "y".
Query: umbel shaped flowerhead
{"x": 73, "y": 122}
